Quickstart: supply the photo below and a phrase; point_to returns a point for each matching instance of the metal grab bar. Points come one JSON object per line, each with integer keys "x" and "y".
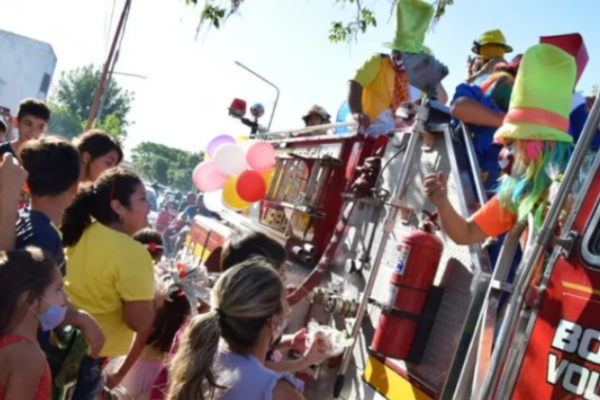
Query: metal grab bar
{"x": 504, "y": 340}
{"x": 309, "y": 129}
{"x": 530, "y": 259}
{"x": 488, "y": 319}
{"x": 407, "y": 164}
{"x": 475, "y": 170}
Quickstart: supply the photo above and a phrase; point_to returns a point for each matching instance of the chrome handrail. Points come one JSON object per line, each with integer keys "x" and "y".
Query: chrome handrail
{"x": 475, "y": 171}
{"x": 307, "y": 129}
{"x": 488, "y": 317}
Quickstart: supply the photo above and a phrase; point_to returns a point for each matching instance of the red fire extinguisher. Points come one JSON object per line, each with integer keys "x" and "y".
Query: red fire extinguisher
{"x": 419, "y": 255}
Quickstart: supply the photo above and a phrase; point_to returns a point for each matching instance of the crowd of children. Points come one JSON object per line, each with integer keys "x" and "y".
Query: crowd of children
{"x": 113, "y": 327}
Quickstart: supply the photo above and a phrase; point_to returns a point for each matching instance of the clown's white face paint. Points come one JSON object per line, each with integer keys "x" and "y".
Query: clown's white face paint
{"x": 397, "y": 61}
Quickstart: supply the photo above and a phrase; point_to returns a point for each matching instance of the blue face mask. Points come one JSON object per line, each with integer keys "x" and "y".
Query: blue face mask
{"x": 53, "y": 317}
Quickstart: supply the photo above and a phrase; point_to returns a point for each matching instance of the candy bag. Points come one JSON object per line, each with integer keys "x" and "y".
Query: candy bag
{"x": 332, "y": 341}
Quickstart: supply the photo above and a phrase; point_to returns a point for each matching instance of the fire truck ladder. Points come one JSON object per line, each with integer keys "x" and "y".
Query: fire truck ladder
{"x": 496, "y": 371}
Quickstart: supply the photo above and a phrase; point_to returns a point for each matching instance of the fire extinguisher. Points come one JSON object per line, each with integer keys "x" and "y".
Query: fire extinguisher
{"x": 420, "y": 252}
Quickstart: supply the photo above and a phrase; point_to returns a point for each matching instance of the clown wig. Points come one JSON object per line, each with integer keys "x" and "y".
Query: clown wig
{"x": 537, "y": 171}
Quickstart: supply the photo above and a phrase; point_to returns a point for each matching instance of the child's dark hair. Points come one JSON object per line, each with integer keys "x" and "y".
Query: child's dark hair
{"x": 3, "y": 127}
{"x": 34, "y": 107}
{"x": 153, "y": 241}
{"x": 168, "y": 321}
{"x": 53, "y": 165}
{"x": 93, "y": 201}
{"x": 22, "y": 271}
{"x": 97, "y": 143}
{"x": 241, "y": 247}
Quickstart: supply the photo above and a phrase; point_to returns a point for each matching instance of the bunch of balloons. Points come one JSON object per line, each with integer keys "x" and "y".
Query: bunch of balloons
{"x": 234, "y": 173}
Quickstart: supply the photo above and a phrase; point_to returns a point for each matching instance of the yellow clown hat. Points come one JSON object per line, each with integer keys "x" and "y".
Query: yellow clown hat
{"x": 541, "y": 98}
{"x": 493, "y": 38}
{"x": 412, "y": 21}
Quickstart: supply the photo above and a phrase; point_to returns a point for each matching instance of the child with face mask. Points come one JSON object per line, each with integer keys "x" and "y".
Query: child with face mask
{"x": 32, "y": 298}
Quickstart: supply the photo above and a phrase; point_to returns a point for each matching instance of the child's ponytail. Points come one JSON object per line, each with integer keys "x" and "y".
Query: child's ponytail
{"x": 77, "y": 216}
{"x": 191, "y": 369}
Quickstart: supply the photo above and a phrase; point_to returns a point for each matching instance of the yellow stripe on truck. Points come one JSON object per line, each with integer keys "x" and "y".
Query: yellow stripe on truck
{"x": 390, "y": 384}
{"x": 197, "y": 249}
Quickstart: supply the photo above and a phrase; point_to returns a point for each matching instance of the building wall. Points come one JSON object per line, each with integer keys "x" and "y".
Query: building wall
{"x": 26, "y": 69}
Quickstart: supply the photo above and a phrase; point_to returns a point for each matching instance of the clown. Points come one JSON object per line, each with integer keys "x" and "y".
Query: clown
{"x": 386, "y": 81}
{"x": 490, "y": 50}
{"x": 536, "y": 128}
{"x": 483, "y": 108}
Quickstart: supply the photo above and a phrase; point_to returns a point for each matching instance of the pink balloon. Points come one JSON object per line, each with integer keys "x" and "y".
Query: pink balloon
{"x": 260, "y": 156}
{"x": 208, "y": 177}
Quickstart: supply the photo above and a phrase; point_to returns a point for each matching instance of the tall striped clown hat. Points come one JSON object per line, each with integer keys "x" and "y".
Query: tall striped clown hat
{"x": 540, "y": 102}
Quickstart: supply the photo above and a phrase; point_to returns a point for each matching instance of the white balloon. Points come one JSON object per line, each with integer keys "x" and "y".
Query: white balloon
{"x": 231, "y": 159}
{"x": 213, "y": 201}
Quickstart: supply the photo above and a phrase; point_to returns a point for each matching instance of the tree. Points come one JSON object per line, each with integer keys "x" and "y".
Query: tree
{"x": 72, "y": 100}
{"x": 217, "y": 14}
{"x": 169, "y": 166}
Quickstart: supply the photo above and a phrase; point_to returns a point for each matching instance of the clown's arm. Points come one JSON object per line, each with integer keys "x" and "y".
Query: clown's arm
{"x": 490, "y": 221}
{"x": 471, "y": 107}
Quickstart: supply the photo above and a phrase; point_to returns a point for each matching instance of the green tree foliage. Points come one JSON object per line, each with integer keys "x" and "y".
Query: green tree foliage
{"x": 72, "y": 99}
{"x": 215, "y": 12}
{"x": 169, "y": 166}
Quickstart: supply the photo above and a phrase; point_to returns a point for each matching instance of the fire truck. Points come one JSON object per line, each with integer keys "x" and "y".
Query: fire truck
{"x": 423, "y": 312}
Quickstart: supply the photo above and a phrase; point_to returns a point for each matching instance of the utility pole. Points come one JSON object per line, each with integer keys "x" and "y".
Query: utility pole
{"x": 107, "y": 66}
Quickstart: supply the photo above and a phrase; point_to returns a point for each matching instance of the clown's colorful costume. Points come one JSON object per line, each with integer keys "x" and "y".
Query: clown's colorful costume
{"x": 537, "y": 125}
{"x": 494, "y": 94}
{"x": 384, "y": 82}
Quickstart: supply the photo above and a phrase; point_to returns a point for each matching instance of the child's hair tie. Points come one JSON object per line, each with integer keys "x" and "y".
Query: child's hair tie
{"x": 153, "y": 246}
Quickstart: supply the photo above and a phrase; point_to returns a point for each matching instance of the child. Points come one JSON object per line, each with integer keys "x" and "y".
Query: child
{"x": 99, "y": 152}
{"x": 237, "y": 249}
{"x": 32, "y": 122}
{"x": 32, "y": 298}
{"x": 53, "y": 166}
{"x": 135, "y": 374}
{"x": 153, "y": 241}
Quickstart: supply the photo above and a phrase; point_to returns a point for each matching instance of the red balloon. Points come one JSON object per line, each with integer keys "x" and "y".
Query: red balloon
{"x": 251, "y": 186}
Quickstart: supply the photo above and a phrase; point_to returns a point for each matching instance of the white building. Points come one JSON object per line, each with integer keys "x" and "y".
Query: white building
{"x": 26, "y": 69}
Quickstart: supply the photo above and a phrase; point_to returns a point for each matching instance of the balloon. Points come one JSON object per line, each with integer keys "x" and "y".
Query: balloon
{"x": 206, "y": 157}
{"x": 216, "y": 144}
{"x": 231, "y": 159}
{"x": 207, "y": 177}
{"x": 251, "y": 186}
{"x": 241, "y": 139}
{"x": 230, "y": 195}
{"x": 260, "y": 156}
{"x": 213, "y": 201}
{"x": 344, "y": 115}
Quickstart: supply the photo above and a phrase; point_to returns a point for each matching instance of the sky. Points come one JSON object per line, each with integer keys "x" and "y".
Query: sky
{"x": 192, "y": 80}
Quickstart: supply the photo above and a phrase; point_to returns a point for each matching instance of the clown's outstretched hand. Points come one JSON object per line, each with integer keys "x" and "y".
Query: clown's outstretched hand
{"x": 460, "y": 230}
